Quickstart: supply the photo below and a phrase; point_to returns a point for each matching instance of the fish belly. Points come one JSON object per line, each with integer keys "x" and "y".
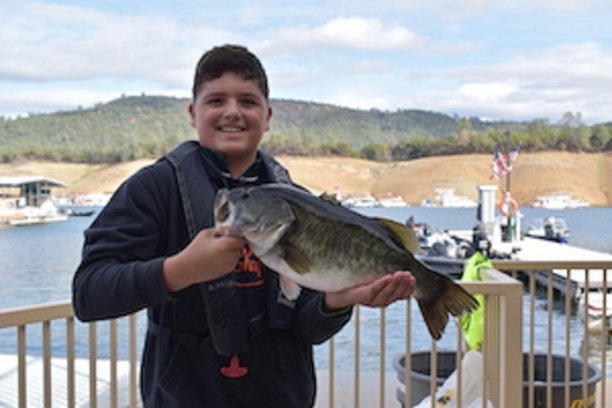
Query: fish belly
{"x": 320, "y": 278}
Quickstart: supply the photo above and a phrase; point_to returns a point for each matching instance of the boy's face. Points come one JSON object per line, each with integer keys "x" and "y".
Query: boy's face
{"x": 230, "y": 115}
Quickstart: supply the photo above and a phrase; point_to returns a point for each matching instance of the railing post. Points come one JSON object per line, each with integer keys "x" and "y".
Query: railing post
{"x": 503, "y": 338}
{"x": 133, "y": 322}
{"x": 511, "y": 348}
{"x": 21, "y": 364}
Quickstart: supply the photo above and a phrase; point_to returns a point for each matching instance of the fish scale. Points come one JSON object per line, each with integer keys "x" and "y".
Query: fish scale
{"x": 317, "y": 239}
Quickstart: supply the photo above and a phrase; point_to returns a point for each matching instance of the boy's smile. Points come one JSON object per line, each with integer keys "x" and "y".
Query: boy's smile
{"x": 230, "y": 115}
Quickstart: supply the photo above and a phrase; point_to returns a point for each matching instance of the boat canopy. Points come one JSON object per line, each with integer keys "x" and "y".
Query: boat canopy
{"x": 24, "y": 180}
{"x": 34, "y": 189}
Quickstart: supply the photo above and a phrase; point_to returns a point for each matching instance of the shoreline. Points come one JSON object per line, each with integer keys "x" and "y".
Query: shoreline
{"x": 585, "y": 176}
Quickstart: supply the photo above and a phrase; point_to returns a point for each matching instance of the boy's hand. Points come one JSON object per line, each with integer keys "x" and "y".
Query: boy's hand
{"x": 379, "y": 293}
{"x": 210, "y": 255}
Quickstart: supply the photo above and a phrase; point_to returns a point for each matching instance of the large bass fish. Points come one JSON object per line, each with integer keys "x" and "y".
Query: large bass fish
{"x": 320, "y": 245}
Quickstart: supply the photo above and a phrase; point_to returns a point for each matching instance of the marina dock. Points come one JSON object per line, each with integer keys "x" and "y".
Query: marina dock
{"x": 540, "y": 250}
{"x": 537, "y": 250}
{"x": 533, "y": 249}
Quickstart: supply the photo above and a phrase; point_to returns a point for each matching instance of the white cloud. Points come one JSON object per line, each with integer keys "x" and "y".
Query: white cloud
{"x": 17, "y": 103}
{"x": 546, "y": 83}
{"x": 47, "y": 42}
{"x": 562, "y": 5}
{"x": 37, "y": 100}
{"x": 349, "y": 33}
{"x": 402, "y": 55}
{"x": 587, "y": 66}
{"x": 369, "y": 34}
{"x": 452, "y": 9}
{"x": 360, "y": 97}
{"x": 491, "y": 91}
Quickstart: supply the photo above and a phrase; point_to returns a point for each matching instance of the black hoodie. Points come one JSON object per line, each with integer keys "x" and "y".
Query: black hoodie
{"x": 249, "y": 347}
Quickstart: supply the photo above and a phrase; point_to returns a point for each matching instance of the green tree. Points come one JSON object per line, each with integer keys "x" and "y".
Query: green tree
{"x": 376, "y": 152}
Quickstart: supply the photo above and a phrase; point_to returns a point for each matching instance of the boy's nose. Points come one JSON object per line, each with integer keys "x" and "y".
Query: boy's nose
{"x": 232, "y": 110}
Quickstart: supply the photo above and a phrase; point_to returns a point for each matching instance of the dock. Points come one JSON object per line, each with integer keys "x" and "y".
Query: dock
{"x": 535, "y": 250}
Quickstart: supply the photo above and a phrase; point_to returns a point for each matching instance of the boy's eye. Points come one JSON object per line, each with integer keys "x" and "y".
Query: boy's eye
{"x": 214, "y": 101}
{"x": 249, "y": 102}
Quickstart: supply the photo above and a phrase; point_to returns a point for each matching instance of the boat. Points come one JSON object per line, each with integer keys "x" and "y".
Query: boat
{"x": 390, "y": 201}
{"x": 73, "y": 212}
{"x": 360, "y": 201}
{"x": 28, "y": 201}
{"x": 592, "y": 310}
{"x": 551, "y": 229}
{"x": 90, "y": 200}
{"x": 28, "y": 215}
{"x": 559, "y": 201}
{"x": 446, "y": 197}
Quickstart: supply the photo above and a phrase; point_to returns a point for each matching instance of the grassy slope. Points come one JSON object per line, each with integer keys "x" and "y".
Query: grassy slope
{"x": 585, "y": 176}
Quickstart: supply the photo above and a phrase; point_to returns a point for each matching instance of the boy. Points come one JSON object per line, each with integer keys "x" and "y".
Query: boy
{"x": 219, "y": 332}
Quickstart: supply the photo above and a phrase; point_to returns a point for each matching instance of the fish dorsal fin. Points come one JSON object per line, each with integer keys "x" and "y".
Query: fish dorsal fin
{"x": 330, "y": 198}
{"x": 296, "y": 259}
{"x": 405, "y": 235}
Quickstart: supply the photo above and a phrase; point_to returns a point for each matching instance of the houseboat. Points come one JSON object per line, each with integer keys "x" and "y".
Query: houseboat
{"x": 559, "y": 201}
{"x": 28, "y": 200}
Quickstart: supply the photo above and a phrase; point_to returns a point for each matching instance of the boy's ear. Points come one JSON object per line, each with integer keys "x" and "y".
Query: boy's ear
{"x": 270, "y": 112}
{"x": 191, "y": 114}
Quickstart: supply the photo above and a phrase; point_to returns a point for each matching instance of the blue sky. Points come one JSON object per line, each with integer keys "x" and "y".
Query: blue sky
{"x": 495, "y": 59}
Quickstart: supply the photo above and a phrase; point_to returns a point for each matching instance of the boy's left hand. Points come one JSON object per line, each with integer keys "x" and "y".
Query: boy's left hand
{"x": 379, "y": 293}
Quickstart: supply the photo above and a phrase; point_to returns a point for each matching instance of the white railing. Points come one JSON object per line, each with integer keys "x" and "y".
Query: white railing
{"x": 502, "y": 385}
{"x": 111, "y": 378}
{"x": 559, "y": 285}
{"x": 65, "y": 378}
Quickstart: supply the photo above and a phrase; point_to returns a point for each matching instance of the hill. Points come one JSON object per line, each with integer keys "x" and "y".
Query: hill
{"x": 585, "y": 176}
{"x": 136, "y": 127}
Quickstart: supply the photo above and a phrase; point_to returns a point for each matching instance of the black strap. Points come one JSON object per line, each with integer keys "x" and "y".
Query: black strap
{"x": 229, "y": 331}
{"x": 227, "y": 324}
{"x": 182, "y": 186}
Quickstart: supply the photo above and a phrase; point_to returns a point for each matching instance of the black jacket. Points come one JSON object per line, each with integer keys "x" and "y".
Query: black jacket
{"x": 182, "y": 364}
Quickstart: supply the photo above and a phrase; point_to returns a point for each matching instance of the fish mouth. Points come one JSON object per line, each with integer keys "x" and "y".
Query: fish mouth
{"x": 222, "y": 210}
{"x": 223, "y": 221}
{"x": 225, "y": 215}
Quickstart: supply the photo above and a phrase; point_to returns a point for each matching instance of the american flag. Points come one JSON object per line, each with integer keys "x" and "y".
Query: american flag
{"x": 502, "y": 162}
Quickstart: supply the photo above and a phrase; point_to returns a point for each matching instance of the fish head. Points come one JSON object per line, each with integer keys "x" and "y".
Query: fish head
{"x": 255, "y": 213}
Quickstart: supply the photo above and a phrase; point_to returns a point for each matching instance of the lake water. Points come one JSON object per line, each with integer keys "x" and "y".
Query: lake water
{"x": 37, "y": 264}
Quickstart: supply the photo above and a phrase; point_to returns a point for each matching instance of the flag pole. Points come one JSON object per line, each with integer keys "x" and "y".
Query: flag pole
{"x": 508, "y": 182}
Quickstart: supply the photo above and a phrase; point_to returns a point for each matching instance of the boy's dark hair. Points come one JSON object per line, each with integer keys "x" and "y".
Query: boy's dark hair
{"x": 229, "y": 58}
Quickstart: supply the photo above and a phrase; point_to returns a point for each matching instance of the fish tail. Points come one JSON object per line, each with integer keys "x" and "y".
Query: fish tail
{"x": 449, "y": 298}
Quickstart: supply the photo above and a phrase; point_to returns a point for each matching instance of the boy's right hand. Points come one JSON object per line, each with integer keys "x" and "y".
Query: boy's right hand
{"x": 210, "y": 255}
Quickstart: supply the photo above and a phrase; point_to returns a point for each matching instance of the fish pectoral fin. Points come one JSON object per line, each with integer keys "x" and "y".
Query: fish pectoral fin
{"x": 289, "y": 288}
{"x": 296, "y": 259}
{"x": 404, "y": 234}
